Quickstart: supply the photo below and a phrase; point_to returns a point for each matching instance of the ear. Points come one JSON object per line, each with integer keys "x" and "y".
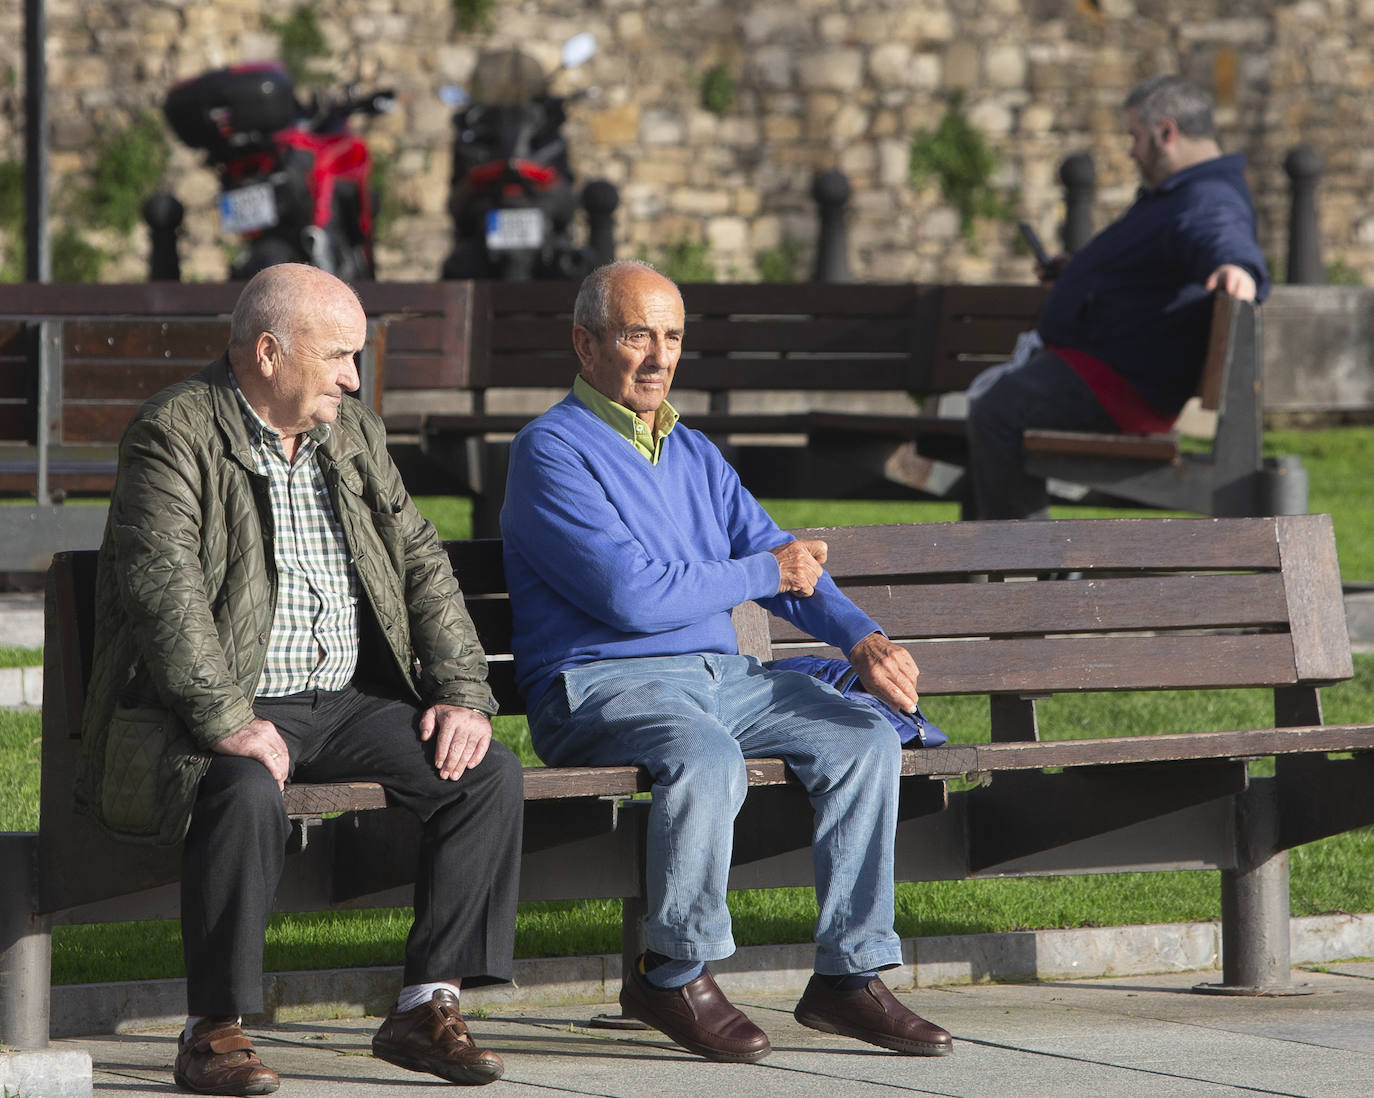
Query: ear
{"x": 266, "y": 353}
{"x": 1168, "y": 131}
{"x": 583, "y": 342}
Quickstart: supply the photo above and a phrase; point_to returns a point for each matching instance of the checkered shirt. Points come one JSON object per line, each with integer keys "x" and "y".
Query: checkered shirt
{"x": 314, "y": 640}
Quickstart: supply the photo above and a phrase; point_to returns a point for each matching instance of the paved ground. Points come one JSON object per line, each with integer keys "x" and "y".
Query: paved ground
{"x": 1140, "y": 1037}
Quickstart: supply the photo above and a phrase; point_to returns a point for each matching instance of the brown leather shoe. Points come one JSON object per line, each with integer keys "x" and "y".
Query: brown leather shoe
{"x": 434, "y": 1038}
{"x": 873, "y": 1014}
{"x": 219, "y": 1059}
{"x": 697, "y": 1016}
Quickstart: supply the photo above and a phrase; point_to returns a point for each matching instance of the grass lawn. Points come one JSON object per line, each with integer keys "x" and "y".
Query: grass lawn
{"x": 1327, "y": 877}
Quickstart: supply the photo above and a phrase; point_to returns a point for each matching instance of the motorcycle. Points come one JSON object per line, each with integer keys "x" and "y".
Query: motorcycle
{"x": 511, "y": 188}
{"x": 294, "y": 179}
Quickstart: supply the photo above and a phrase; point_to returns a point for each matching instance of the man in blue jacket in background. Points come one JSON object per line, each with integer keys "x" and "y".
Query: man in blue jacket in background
{"x": 1121, "y": 340}
{"x": 628, "y": 538}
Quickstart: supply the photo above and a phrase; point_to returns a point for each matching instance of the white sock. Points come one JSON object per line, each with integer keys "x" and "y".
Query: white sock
{"x": 412, "y": 995}
{"x": 192, "y": 1019}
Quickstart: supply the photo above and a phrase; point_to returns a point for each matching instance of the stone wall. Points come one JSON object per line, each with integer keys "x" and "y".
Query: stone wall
{"x": 820, "y": 84}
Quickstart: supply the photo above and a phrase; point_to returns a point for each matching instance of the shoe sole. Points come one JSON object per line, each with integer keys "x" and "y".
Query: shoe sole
{"x": 260, "y": 1088}
{"x": 720, "y": 1056}
{"x": 454, "y": 1073}
{"x": 896, "y": 1044}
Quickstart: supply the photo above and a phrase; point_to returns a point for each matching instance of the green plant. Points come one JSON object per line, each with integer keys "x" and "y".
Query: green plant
{"x": 74, "y": 258}
{"x": 958, "y": 156}
{"x": 687, "y": 260}
{"x": 387, "y": 204}
{"x": 12, "y": 220}
{"x": 300, "y": 40}
{"x": 1340, "y": 273}
{"x": 473, "y": 16}
{"x": 781, "y": 262}
{"x": 717, "y": 89}
{"x": 129, "y": 164}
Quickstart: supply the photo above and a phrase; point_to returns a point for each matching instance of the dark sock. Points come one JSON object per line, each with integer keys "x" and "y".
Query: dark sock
{"x": 847, "y": 981}
{"x": 665, "y": 972}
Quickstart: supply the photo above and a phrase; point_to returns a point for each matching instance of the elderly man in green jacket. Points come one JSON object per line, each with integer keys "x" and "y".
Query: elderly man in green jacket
{"x": 271, "y": 607}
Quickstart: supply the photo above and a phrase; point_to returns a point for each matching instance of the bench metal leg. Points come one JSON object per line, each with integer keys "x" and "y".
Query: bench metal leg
{"x": 1255, "y": 953}
{"x": 25, "y": 947}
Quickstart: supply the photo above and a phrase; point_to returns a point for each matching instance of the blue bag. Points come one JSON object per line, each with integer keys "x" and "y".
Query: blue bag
{"x": 913, "y": 729}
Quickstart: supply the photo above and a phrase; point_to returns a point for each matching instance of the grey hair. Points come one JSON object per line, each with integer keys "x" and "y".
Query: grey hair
{"x": 592, "y": 309}
{"x": 1159, "y": 97}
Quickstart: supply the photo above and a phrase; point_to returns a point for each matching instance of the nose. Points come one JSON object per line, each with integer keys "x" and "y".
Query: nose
{"x": 349, "y": 377}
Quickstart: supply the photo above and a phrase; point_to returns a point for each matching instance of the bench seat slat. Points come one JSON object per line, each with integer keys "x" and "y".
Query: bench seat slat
{"x": 1162, "y": 448}
{"x": 1167, "y": 747}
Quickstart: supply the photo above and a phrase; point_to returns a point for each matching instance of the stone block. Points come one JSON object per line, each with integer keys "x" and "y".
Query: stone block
{"x": 617, "y": 126}
{"x": 832, "y": 70}
{"x": 1319, "y": 348}
{"x": 47, "y": 1073}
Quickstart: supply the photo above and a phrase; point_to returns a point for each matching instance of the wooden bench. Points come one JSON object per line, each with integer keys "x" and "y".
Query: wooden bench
{"x": 746, "y": 345}
{"x": 1226, "y": 476}
{"x": 748, "y": 342}
{"x": 1163, "y": 604}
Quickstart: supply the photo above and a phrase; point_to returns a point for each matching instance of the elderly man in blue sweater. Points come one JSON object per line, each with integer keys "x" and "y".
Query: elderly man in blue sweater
{"x": 1122, "y": 338}
{"x": 628, "y": 538}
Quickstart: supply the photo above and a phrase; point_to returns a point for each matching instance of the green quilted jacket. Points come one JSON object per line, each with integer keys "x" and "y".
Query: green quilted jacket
{"x": 186, "y": 590}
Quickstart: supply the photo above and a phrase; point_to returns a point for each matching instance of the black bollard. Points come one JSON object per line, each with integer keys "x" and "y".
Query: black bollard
{"x": 1079, "y": 177}
{"x": 600, "y": 199}
{"x": 163, "y": 213}
{"x": 1304, "y": 166}
{"x": 831, "y": 191}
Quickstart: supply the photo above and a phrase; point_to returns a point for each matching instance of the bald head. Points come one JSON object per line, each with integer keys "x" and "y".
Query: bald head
{"x": 627, "y": 332}
{"x": 293, "y": 341}
{"x": 282, "y": 298}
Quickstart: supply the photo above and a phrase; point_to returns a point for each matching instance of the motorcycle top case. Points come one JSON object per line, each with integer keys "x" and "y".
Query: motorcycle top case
{"x": 243, "y": 100}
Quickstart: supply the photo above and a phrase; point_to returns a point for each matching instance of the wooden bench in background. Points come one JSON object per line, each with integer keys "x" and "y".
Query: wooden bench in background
{"x": 765, "y": 367}
{"x": 1163, "y": 604}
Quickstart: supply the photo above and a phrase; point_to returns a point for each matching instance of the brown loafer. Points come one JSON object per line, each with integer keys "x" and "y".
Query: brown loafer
{"x": 219, "y": 1059}
{"x": 697, "y": 1016}
{"x": 434, "y": 1038}
{"x": 873, "y": 1014}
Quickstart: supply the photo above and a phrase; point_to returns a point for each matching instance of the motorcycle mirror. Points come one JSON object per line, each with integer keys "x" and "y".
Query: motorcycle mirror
{"x": 579, "y": 49}
{"x": 454, "y": 96}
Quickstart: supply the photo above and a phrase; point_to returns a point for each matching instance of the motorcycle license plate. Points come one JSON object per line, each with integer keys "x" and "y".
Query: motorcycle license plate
{"x": 511, "y": 230}
{"x": 248, "y": 209}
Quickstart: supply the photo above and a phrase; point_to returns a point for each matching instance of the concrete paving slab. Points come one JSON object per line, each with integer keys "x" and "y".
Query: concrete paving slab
{"x": 1143, "y": 1037}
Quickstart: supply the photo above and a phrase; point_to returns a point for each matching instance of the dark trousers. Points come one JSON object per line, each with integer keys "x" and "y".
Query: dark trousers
{"x": 1041, "y": 392}
{"x": 466, "y": 883}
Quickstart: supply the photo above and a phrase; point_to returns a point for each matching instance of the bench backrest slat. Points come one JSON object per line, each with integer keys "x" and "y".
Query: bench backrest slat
{"x": 1099, "y": 605}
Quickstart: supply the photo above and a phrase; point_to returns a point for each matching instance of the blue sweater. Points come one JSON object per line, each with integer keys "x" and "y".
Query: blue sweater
{"x": 1133, "y": 296}
{"x": 609, "y": 556}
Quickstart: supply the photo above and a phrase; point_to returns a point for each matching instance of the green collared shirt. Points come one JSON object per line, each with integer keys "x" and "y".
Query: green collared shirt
{"x": 626, "y": 424}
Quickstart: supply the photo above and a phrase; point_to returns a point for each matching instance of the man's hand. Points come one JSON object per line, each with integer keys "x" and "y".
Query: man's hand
{"x": 800, "y": 564}
{"x": 258, "y": 739}
{"x": 1048, "y": 272}
{"x": 461, "y": 738}
{"x": 1236, "y": 281}
{"x": 887, "y": 670}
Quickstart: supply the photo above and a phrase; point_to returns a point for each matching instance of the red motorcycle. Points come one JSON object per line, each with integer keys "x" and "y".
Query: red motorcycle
{"x": 295, "y": 180}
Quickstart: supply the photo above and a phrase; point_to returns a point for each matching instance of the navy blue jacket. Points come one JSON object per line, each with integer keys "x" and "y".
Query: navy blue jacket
{"x": 1133, "y": 296}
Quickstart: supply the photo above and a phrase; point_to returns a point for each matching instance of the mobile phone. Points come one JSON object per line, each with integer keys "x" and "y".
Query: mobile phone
{"x": 1033, "y": 242}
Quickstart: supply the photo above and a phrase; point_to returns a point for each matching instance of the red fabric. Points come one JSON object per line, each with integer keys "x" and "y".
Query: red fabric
{"x": 1128, "y": 409}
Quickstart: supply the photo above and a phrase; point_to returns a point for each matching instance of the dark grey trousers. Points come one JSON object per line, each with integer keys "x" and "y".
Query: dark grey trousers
{"x": 468, "y": 873}
{"x": 1004, "y": 401}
